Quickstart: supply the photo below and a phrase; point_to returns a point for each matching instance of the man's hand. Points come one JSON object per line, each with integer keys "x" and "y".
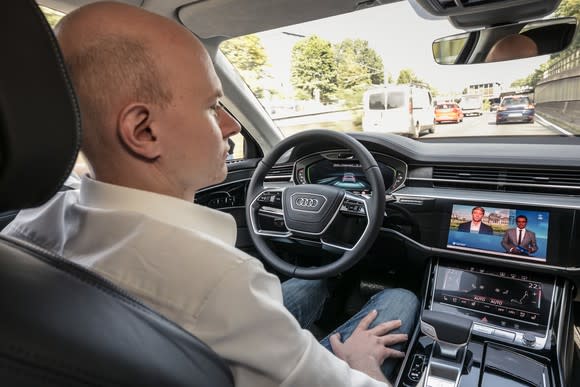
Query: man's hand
{"x": 366, "y": 349}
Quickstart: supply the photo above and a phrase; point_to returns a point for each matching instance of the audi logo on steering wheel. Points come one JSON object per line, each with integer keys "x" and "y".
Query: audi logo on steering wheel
{"x": 306, "y": 202}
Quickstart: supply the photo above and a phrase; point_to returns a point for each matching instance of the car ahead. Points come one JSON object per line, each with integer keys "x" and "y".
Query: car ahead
{"x": 448, "y": 112}
{"x": 515, "y": 109}
{"x": 520, "y": 308}
{"x": 471, "y": 105}
{"x": 399, "y": 109}
{"x": 493, "y": 104}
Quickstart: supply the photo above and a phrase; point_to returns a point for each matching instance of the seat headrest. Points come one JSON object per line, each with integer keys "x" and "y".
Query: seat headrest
{"x": 40, "y": 128}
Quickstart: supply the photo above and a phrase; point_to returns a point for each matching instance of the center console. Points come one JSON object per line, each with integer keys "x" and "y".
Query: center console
{"x": 510, "y": 306}
{"x": 487, "y": 319}
{"x": 509, "y": 320}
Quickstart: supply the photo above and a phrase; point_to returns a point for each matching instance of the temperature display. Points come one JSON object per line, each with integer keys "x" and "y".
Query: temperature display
{"x": 502, "y": 294}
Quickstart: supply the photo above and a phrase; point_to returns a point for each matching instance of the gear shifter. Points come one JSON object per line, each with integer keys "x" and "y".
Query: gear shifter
{"x": 451, "y": 334}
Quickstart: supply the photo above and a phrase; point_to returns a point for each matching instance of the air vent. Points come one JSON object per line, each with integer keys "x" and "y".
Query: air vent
{"x": 280, "y": 172}
{"x": 531, "y": 180}
{"x": 471, "y": 3}
{"x": 446, "y": 4}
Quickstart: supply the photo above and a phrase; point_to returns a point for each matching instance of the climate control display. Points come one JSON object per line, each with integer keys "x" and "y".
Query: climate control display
{"x": 494, "y": 294}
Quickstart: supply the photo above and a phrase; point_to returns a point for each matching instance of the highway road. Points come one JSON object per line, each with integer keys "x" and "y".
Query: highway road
{"x": 484, "y": 125}
{"x": 476, "y": 126}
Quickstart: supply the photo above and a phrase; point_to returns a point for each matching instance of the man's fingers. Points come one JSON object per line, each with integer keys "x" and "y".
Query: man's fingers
{"x": 394, "y": 354}
{"x": 386, "y": 327}
{"x": 367, "y": 320}
{"x": 393, "y": 339}
{"x": 336, "y": 344}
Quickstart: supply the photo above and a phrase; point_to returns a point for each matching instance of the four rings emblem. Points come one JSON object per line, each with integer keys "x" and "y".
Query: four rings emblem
{"x": 306, "y": 202}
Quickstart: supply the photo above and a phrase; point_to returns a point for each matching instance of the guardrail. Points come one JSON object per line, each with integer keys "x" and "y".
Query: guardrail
{"x": 566, "y": 63}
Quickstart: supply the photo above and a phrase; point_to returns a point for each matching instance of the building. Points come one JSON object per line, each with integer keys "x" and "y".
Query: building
{"x": 486, "y": 90}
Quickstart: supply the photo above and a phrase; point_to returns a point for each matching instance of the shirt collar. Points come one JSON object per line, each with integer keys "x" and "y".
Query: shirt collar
{"x": 167, "y": 209}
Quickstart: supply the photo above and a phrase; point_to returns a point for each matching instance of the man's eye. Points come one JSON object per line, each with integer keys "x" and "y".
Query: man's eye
{"x": 216, "y": 107}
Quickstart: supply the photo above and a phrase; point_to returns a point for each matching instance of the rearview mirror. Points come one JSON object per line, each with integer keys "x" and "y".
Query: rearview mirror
{"x": 507, "y": 42}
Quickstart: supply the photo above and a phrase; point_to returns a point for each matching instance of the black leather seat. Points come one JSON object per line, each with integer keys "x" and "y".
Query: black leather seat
{"x": 61, "y": 325}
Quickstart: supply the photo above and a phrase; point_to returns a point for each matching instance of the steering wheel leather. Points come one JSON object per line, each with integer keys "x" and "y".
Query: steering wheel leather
{"x": 309, "y": 209}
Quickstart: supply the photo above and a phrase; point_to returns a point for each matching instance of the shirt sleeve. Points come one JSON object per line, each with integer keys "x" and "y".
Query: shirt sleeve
{"x": 245, "y": 322}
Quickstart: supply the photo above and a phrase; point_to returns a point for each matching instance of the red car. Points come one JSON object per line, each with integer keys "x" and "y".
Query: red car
{"x": 448, "y": 112}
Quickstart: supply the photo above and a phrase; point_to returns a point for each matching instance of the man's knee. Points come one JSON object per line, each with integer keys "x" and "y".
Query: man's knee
{"x": 397, "y": 303}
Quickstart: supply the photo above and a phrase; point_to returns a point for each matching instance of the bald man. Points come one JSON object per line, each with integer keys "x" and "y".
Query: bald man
{"x": 154, "y": 134}
{"x": 510, "y": 47}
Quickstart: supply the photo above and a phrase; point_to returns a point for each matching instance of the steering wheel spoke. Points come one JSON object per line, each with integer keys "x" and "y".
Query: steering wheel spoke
{"x": 354, "y": 205}
{"x": 350, "y": 223}
{"x": 267, "y": 214}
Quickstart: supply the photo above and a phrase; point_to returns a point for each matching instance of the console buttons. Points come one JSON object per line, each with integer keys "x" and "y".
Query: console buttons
{"x": 504, "y": 335}
{"x": 353, "y": 207}
{"x": 271, "y": 198}
{"x": 529, "y": 339}
{"x": 417, "y": 367}
{"x": 482, "y": 329}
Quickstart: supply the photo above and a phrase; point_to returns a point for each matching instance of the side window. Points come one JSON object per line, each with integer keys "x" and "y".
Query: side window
{"x": 377, "y": 101}
{"x": 237, "y": 147}
{"x": 396, "y": 100}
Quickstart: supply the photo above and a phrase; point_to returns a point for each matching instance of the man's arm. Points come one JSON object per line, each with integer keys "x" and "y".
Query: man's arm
{"x": 487, "y": 229}
{"x": 532, "y": 246}
{"x": 246, "y": 323}
{"x": 506, "y": 242}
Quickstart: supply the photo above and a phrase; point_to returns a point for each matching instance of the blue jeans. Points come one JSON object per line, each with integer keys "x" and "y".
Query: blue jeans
{"x": 305, "y": 300}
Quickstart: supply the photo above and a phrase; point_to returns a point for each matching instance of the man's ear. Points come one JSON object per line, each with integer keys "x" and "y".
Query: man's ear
{"x": 136, "y": 132}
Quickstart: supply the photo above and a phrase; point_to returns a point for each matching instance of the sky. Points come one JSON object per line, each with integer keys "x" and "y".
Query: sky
{"x": 403, "y": 40}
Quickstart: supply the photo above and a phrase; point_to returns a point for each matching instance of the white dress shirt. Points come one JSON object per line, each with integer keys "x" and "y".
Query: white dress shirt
{"x": 180, "y": 259}
{"x": 519, "y": 238}
{"x": 475, "y": 227}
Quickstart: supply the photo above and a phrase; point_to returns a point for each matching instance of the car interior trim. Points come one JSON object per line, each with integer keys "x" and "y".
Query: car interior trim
{"x": 547, "y": 201}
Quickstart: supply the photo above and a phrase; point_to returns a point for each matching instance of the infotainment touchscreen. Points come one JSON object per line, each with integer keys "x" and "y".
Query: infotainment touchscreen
{"x": 502, "y": 231}
{"x": 498, "y": 297}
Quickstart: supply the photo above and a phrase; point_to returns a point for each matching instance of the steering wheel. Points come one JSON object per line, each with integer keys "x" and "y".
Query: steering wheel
{"x": 308, "y": 211}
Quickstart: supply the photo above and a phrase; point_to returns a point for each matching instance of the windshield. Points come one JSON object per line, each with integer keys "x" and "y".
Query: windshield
{"x": 373, "y": 71}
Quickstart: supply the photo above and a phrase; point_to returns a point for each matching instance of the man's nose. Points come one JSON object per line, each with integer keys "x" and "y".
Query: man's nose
{"x": 228, "y": 124}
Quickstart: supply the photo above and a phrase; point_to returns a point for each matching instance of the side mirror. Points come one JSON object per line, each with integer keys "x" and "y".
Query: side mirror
{"x": 506, "y": 42}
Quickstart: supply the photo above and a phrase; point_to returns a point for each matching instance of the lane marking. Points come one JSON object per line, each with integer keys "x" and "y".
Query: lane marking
{"x": 545, "y": 122}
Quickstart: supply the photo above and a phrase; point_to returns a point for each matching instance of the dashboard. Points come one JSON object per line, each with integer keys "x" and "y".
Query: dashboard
{"x": 340, "y": 169}
{"x": 437, "y": 185}
{"x": 453, "y": 211}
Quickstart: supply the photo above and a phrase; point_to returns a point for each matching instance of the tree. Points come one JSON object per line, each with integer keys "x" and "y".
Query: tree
{"x": 358, "y": 52}
{"x": 358, "y": 66}
{"x": 314, "y": 70}
{"x": 248, "y": 56}
{"x": 569, "y": 8}
{"x": 407, "y": 76}
{"x": 533, "y": 79}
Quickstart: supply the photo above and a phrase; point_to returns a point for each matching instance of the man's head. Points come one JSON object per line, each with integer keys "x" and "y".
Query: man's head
{"x": 513, "y": 46}
{"x": 149, "y": 99}
{"x": 521, "y": 221}
{"x": 477, "y": 214}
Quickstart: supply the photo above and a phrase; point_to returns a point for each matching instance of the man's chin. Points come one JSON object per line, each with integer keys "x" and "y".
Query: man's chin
{"x": 221, "y": 177}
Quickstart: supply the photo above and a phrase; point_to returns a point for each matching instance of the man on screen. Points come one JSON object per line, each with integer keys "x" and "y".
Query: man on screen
{"x": 476, "y": 225}
{"x": 520, "y": 240}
